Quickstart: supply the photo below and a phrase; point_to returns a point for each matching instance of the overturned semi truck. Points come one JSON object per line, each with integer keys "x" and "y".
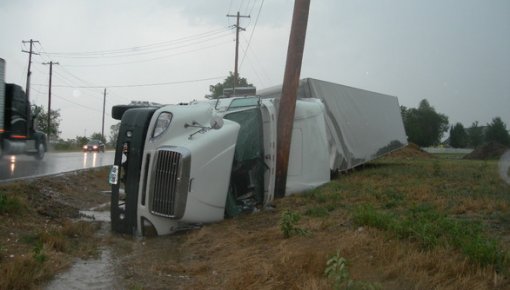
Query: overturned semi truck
{"x": 177, "y": 166}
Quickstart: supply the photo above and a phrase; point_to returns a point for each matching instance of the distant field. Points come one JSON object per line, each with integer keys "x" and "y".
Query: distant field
{"x": 442, "y": 150}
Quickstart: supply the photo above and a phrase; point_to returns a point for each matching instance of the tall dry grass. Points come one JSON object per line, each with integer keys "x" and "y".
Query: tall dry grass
{"x": 251, "y": 252}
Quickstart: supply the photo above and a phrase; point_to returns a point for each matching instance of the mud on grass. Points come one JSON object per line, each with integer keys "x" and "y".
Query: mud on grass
{"x": 39, "y": 233}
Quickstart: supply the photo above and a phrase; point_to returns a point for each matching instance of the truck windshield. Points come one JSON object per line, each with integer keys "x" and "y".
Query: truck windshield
{"x": 243, "y": 103}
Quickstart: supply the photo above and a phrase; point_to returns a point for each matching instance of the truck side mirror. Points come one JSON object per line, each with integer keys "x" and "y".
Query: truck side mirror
{"x": 216, "y": 122}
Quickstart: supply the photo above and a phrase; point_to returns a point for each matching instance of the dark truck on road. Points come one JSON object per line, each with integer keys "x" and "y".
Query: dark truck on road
{"x": 17, "y": 132}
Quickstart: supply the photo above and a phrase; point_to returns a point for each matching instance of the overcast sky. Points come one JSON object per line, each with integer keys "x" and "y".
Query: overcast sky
{"x": 454, "y": 53}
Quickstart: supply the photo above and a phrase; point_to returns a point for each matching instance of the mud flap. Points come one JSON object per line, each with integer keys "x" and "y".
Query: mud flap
{"x": 128, "y": 161}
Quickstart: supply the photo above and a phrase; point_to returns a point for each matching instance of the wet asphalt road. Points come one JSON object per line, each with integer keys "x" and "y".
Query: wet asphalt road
{"x": 23, "y": 166}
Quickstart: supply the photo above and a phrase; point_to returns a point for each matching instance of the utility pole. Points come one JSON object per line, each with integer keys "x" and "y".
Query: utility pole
{"x": 287, "y": 106}
{"x": 51, "y": 63}
{"x": 104, "y": 105}
{"x": 29, "y": 73}
{"x": 236, "y": 76}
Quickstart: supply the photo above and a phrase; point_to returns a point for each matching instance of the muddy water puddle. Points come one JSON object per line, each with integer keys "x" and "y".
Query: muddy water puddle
{"x": 124, "y": 262}
{"x": 88, "y": 274}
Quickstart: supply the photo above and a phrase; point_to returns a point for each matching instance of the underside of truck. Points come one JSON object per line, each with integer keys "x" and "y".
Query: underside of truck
{"x": 127, "y": 164}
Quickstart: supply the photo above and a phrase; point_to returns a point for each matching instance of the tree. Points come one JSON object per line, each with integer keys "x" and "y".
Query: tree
{"x": 458, "y": 136}
{"x": 41, "y": 121}
{"x": 114, "y": 133}
{"x": 98, "y": 136}
{"x": 424, "y": 126}
{"x": 217, "y": 90}
{"x": 475, "y": 134}
{"x": 497, "y": 132}
{"x": 81, "y": 140}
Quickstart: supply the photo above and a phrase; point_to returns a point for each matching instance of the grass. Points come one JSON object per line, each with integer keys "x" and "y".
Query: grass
{"x": 402, "y": 223}
{"x": 411, "y": 222}
{"x": 38, "y": 256}
{"x": 10, "y": 204}
{"x": 429, "y": 228}
{"x": 39, "y": 235}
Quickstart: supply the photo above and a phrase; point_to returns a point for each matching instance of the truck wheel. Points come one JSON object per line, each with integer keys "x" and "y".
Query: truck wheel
{"x": 40, "y": 152}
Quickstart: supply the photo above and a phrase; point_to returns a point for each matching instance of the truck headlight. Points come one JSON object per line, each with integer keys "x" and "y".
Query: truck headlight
{"x": 162, "y": 124}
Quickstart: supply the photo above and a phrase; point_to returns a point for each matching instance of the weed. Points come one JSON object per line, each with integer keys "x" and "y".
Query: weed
{"x": 336, "y": 270}
{"x": 38, "y": 253}
{"x": 318, "y": 212}
{"x": 367, "y": 215}
{"x": 390, "y": 198}
{"x": 288, "y": 222}
{"x": 79, "y": 229}
{"x": 436, "y": 169}
{"x": 317, "y": 195}
{"x": 136, "y": 287}
{"x": 481, "y": 171}
{"x": 9, "y": 204}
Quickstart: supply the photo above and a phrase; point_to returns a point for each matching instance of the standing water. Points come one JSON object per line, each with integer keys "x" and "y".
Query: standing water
{"x": 121, "y": 260}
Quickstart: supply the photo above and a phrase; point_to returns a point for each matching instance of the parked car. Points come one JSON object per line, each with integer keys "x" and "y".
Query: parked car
{"x": 94, "y": 145}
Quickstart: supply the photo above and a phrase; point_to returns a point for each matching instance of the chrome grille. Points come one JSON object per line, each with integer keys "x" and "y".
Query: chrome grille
{"x": 169, "y": 186}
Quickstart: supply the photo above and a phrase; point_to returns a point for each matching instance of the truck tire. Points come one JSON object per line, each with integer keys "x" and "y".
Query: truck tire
{"x": 39, "y": 155}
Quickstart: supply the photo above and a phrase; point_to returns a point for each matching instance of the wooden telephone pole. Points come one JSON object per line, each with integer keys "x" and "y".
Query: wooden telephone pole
{"x": 289, "y": 92}
{"x": 236, "y": 76}
{"x": 104, "y": 106}
{"x": 51, "y": 63}
{"x": 29, "y": 73}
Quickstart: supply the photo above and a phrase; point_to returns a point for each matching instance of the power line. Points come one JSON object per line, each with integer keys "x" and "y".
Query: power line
{"x": 229, "y": 6}
{"x": 75, "y": 77}
{"x": 139, "y": 85}
{"x": 147, "y": 49}
{"x": 69, "y": 101}
{"x": 253, "y": 30}
{"x": 253, "y": 6}
{"x": 254, "y": 70}
{"x": 240, "y": 5}
{"x": 149, "y": 59}
{"x": 255, "y": 60}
